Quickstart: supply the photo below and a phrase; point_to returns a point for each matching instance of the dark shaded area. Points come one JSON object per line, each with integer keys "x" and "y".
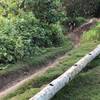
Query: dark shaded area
{"x": 97, "y": 13}
{"x": 92, "y": 65}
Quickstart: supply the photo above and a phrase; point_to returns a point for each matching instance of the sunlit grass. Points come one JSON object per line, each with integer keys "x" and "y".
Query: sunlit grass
{"x": 93, "y": 34}
{"x": 52, "y": 73}
{"x": 84, "y": 87}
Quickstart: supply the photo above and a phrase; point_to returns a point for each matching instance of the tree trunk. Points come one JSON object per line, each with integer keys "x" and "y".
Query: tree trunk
{"x": 51, "y": 89}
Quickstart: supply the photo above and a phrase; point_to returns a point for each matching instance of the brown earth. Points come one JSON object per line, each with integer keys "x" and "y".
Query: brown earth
{"x": 14, "y": 77}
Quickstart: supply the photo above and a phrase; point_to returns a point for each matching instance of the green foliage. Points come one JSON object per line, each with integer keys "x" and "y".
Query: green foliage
{"x": 26, "y": 31}
{"x": 83, "y": 8}
{"x": 93, "y": 34}
{"x": 52, "y": 73}
{"x": 77, "y": 21}
{"x": 23, "y": 36}
{"x": 9, "y": 7}
{"x": 57, "y": 36}
{"x": 80, "y": 20}
{"x": 48, "y": 11}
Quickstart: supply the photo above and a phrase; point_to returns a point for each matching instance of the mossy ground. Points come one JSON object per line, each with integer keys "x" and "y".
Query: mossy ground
{"x": 46, "y": 55}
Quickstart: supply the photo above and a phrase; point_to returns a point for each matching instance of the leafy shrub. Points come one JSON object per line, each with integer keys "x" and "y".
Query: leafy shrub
{"x": 48, "y": 11}
{"x": 75, "y": 22}
{"x": 80, "y": 20}
{"x": 42, "y": 35}
{"x": 24, "y": 36}
{"x": 57, "y": 36}
{"x": 28, "y": 31}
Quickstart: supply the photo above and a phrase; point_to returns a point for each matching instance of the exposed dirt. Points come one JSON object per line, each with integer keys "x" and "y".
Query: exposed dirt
{"x": 14, "y": 77}
{"x": 11, "y": 84}
{"x": 20, "y": 82}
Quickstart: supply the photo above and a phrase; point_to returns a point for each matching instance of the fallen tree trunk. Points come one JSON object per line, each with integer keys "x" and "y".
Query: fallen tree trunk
{"x": 51, "y": 89}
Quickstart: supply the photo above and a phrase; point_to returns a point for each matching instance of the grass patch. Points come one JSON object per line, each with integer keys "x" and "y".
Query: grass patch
{"x": 27, "y": 94}
{"x": 86, "y": 86}
{"x": 53, "y": 73}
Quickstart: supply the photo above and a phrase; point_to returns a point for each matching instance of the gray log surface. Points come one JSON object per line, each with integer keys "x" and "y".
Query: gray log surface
{"x": 51, "y": 89}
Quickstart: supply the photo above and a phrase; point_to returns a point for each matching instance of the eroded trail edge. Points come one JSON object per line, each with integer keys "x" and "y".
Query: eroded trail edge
{"x": 75, "y": 36}
{"x": 36, "y": 74}
{"x": 52, "y": 88}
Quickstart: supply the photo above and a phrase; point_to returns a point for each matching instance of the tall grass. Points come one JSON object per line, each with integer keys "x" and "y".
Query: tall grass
{"x": 93, "y": 34}
{"x": 33, "y": 86}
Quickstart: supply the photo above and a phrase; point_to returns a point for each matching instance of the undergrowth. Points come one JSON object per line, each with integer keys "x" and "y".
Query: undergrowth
{"x": 93, "y": 34}
{"x": 49, "y": 54}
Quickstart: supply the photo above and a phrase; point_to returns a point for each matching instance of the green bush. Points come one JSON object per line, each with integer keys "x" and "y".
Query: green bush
{"x": 40, "y": 34}
{"x": 57, "y": 36}
{"x": 76, "y": 22}
{"x": 83, "y": 8}
{"x": 80, "y": 20}
{"x": 29, "y": 27}
{"x": 23, "y": 36}
{"x": 48, "y": 11}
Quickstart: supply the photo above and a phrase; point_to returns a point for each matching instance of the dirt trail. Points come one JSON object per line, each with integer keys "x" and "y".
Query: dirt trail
{"x": 36, "y": 74}
{"x": 75, "y": 36}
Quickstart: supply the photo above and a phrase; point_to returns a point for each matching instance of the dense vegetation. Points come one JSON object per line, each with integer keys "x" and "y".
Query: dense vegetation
{"x": 28, "y": 32}
{"x": 32, "y": 32}
{"x": 28, "y": 26}
{"x": 86, "y": 8}
{"x": 93, "y": 34}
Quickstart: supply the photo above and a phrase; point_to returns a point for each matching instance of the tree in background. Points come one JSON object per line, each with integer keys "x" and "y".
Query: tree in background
{"x": 48, "y": 11}
{"x": 84, "y": 8}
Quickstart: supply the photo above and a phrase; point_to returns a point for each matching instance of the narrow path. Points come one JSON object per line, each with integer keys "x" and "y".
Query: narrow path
{"x": 36, "y": 74}
{"x": 75, "y": 36}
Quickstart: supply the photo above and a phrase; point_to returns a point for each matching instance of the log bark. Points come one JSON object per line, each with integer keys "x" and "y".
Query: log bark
{"x": 51, "y": 89}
